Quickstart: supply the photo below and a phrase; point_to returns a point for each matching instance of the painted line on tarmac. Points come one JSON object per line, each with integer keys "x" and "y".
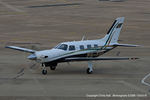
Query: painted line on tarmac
{"x": 10, "y": 6}
{"x": 143, "y": 80}
{"x": 133, "y": 86}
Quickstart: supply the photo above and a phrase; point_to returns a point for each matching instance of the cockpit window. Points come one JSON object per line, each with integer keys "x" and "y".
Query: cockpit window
{"x": 62, "y": 46}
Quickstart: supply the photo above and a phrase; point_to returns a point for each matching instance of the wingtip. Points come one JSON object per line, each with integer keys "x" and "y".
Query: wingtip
{"x": 6, "y": 46}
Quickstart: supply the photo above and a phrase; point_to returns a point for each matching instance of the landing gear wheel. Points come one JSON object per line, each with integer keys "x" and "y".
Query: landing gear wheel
{"x": 88, "y": 71}
{"x": 44, "y": 72}
{"x": 52, "y": 67}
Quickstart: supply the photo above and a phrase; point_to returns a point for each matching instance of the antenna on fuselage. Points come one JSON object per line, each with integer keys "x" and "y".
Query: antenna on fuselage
{"x": 83, "y": 38}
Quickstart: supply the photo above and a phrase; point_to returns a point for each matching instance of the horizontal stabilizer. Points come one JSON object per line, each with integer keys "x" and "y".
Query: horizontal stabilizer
{"x": 21, "y": 49}
{"x": 99, "y": 58}
{"x": 126, "y": 45}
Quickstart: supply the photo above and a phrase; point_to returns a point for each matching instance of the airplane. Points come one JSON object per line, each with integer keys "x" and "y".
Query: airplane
{"x": 84, "y": 50}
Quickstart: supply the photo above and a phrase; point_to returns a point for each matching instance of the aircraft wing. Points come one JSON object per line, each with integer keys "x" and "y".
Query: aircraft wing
{"x": 21, "y": 49}
{"x": 99, "y": 58}
{"x": 126, "y": 45}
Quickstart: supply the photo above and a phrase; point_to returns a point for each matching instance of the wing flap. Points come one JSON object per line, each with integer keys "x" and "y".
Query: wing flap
{"x": 99, "y": 58}
{"x": 20, "y": 49}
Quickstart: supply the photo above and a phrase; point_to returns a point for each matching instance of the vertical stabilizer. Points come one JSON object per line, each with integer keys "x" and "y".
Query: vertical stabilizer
{"x": 113, "y": 33}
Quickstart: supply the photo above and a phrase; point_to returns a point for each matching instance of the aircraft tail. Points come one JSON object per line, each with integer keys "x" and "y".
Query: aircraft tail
{"x": 113, "y": 33}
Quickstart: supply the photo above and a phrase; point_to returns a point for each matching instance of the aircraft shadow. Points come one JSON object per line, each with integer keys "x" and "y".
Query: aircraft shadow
{"x": 55, "y": 5}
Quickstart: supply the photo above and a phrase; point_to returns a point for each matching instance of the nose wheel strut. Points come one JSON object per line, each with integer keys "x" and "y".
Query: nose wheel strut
{"x": 44, "y": 71}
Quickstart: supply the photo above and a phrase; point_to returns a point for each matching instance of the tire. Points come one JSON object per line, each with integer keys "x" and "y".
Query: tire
{"x": 52, "y": 67}
{"x": 44, "y": 72}
{"x": 88, "y": 71}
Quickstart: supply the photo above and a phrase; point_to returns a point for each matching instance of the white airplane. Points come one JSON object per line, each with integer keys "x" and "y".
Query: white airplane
{"x": 84, "y": 50}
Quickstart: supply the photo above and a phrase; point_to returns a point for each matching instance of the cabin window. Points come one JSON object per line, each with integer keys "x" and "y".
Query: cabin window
{"x": 62, "y": 46}
{"x": 89, "y": 46}
{"x": 95, "y": 46}
{"x": 71, "y": 47}
{"x": 81, "y": 47}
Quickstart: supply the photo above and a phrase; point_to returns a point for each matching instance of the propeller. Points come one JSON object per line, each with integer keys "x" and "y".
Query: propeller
{"x": 33, "y": 56}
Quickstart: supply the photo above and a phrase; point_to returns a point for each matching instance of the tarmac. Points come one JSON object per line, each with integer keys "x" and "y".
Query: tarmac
{"x": 42, "y": 24}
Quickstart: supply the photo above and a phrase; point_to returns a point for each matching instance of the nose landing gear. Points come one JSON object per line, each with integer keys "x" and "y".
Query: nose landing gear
{"x": 44, "y": 65}
{"x": 44, "y": 71}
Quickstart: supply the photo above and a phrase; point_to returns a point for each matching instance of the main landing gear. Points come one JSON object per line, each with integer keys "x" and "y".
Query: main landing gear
{"x": 90, "y": 67}
{"x": 52, "y": 67}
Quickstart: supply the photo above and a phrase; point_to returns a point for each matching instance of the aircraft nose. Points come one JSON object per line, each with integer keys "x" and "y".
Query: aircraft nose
{"x": 32, "y": 57}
